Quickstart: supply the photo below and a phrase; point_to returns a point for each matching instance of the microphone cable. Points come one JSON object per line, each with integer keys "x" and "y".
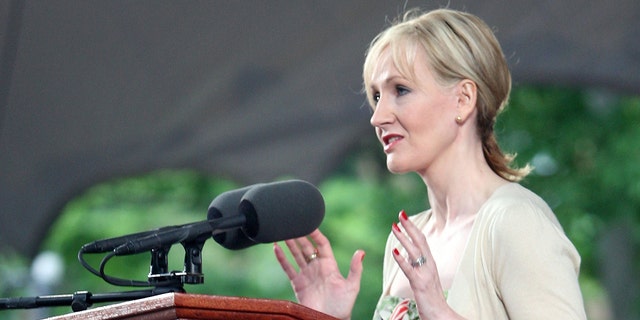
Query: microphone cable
{"x": 110, "y": 279}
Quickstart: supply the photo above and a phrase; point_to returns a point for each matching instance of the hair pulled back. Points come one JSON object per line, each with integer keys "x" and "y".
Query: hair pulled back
{"x": 458, "y": 46}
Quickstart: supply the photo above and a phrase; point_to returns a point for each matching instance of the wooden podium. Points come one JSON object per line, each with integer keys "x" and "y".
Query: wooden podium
{"x": 170, "y": 306}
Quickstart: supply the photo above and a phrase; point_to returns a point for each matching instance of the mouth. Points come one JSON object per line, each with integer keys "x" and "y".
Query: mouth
{"x": 390, "y": 140}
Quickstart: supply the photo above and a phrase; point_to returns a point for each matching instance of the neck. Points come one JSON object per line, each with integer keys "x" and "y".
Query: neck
{"x": 457, "y": 187}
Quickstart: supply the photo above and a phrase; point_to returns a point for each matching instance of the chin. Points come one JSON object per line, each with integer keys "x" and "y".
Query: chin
{"x": 396, "y": 168}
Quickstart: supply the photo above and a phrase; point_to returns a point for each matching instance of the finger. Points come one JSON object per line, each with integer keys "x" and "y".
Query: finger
{"x": 306, "y": 247}
{"x": 289, "y": 270}
{"x": 402, "y": 262}
{"x": 355, "y": 269}
{"x": 323, "y": 246}
{"x": 405, "y": 241}
{"x": 418, "y": 239}
{"x": 296, "y": 252}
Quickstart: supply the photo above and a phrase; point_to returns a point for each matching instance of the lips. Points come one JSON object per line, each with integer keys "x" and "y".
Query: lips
{"x": 390, "y": 140}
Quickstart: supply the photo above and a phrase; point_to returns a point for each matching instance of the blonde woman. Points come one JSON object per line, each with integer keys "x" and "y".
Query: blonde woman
{"x": 487, "y": 248}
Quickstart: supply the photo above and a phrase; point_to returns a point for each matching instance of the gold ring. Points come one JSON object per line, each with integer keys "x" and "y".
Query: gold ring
{"x": 312, "y": 257}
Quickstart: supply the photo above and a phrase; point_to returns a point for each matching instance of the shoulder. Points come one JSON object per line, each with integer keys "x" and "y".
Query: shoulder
{"x": 527, "y": 254}
{"x": 517, "y": 222}
{"x": 518, "y": 225}
{"x": 514, "y": 194}
{"x": 513, "y": 206}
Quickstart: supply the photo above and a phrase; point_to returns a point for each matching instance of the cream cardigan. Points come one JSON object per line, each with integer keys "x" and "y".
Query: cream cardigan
{"x": 517, "y": 264}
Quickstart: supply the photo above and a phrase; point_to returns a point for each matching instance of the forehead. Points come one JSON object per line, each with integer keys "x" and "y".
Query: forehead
{"x": 408, "y": 63}
{"x": 383, "y": 69}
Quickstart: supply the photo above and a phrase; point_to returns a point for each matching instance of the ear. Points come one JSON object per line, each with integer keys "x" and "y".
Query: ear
{"x": 467, "y": 92}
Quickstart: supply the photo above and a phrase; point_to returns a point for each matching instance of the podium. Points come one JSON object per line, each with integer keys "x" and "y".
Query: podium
{"x": 171, "y": 306}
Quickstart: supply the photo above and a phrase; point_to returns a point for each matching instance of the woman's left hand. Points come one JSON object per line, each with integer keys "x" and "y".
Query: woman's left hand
{"x": 421, "y": 270}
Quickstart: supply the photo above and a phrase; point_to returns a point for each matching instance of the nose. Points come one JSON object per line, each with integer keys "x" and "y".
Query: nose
{"x": 381, "y": 114}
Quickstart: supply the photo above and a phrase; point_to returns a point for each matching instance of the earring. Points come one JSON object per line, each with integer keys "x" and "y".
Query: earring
{"x": 459, "y": 120}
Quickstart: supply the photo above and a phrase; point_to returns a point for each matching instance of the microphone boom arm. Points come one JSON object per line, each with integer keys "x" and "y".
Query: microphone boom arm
{"x": 187, "y": 233}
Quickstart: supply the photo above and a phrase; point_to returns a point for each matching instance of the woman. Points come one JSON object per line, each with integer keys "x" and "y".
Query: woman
{"x": 487, "y": 248}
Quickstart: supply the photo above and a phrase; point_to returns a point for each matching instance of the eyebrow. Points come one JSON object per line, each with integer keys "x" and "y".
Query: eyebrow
{"x": 389, "y": 80}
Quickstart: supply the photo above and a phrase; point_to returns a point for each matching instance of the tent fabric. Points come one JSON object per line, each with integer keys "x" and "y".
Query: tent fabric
{"x": 248, "y": 90}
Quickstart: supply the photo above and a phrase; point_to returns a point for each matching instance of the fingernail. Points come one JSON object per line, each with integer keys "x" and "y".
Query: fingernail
{"x": 396, "y": 252}
{"x": 403, "y": 215}
{"x": 362, "y": 258}
{"x": 395, "y": 227}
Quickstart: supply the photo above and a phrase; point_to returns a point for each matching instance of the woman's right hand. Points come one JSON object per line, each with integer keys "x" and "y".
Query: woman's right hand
{"x": 318, "y": 284}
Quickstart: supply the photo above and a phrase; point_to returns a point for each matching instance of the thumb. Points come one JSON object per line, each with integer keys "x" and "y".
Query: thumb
{"x": 355, "y": 270}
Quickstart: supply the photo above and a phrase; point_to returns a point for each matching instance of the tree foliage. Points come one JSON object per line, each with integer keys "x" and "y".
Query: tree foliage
{"x": 584, "y": 145}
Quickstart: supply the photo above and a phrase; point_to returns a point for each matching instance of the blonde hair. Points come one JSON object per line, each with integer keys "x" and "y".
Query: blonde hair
{"x": 458, "y": 46}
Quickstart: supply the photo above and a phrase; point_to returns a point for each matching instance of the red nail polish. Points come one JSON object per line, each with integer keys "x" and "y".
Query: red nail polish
{"x": 395, "y": 227}
{"x": 403, "y": 215}
{"x": 396, "y": 252}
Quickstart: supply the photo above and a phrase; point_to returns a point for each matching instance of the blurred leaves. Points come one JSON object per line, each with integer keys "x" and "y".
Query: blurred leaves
{"x": 585, "y": 144}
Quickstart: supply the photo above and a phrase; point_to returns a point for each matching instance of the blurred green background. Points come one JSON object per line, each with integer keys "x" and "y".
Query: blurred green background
{"x": 584, "y": 145}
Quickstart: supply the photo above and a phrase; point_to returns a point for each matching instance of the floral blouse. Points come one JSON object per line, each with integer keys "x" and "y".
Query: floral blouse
{"x": 396, "y": 308}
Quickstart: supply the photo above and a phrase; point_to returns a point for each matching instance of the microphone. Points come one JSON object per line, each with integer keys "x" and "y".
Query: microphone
{"x": 266, "y": 213}
{"x": 226, "y": 205}
{"x": 281, "y": 210}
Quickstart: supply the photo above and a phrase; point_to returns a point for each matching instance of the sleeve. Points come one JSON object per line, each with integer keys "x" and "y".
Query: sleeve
{"x": 535, "y": 266}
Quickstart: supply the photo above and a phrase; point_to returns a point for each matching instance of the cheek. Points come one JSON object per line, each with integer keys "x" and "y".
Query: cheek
{"x": 430, "y": 130}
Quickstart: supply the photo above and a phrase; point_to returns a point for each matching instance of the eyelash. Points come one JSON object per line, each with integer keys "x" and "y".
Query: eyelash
{"x": 400, "y": 91}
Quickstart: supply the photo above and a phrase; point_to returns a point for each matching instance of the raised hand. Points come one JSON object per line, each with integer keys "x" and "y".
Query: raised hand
{"x": 318, "y": 283}
{"x": 421, "y": 270}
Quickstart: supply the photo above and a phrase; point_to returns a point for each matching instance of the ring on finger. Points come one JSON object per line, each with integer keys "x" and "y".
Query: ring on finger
{"x": 311, "y": 257}
{"x": 418, "y": 262}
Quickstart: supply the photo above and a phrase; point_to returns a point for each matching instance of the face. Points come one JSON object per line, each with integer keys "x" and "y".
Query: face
{"x": 414, "y": 119}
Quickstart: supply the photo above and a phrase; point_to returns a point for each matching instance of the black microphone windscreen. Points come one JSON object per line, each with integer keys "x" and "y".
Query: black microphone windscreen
{"x": 227, "y": 205}
{"x": 281, "y": 210}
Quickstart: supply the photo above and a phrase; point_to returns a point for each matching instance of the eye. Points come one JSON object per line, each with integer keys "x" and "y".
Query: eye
{"x": 376, "y": 97}
{"x": 402, "y": 90}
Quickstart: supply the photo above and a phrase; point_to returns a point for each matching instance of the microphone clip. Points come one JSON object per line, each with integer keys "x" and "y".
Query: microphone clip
{"x": 159, "y": 274}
